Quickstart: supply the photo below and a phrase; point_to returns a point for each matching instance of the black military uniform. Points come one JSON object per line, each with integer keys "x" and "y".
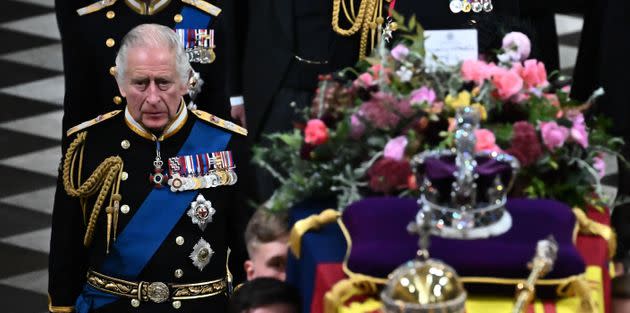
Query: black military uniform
{"x": 167, "y": 246}
{"x": 90, "y": 42}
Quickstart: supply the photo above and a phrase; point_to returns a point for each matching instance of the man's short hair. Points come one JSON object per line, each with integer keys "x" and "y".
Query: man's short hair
{"x": 152, "y": 35}
{"x": 265, "y": 227}
{"x": 262, "y": 292}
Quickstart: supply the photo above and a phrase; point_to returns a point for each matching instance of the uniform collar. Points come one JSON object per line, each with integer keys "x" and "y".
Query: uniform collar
{"x": 171, "y": 129}
{"x": 144, "y": 8}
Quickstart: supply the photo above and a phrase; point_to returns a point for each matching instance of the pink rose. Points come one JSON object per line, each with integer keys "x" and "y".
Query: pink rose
{"x": 357, "y": 128}
{"x": 316, "y": 132}
{"x": 485, "y": 141}
{"x": 423, "y": 94}
{"x": 364, "y": 80}
{"x": 517, "y": 45}
{"x": 533, "y": 73}
{"x": 400, "y": 52}
{"x": 578, "y": 130}
{"x": 508, "y": 83}
{"x": 476, "y": 70}
{"x": 599, "y": 165}
{"x": 395, "y": 148}
{"x": 376, "y": 70}
{"x": 553, "y": 135}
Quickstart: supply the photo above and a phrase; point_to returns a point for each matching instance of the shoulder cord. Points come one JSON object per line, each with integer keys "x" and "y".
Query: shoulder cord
{"x": 368, "y": 19}
{"x": 105, "y": 179}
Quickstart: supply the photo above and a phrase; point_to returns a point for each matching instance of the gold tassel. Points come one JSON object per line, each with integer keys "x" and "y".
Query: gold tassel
{"x": 579, "y": 287}
{"x": 313, "y": 222}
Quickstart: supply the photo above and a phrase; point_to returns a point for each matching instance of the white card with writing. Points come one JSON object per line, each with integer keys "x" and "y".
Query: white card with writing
{"x": 449, "y": 47}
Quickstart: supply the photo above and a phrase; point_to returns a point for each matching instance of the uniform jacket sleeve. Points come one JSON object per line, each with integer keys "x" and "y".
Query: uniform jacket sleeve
{"x": 68, "y": 256}
{"x": 236, "y": 12}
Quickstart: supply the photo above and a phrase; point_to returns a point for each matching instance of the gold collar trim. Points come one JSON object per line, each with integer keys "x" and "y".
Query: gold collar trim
{"x": 150, "y": 8}
{"x": 171, "y": 129}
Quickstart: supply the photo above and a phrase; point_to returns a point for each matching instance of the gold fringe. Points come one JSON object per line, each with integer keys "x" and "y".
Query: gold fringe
{"x": 313, "y": 222}
{"x": 590, "y": 227}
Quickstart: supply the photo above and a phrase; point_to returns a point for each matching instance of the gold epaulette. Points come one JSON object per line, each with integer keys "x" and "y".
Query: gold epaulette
{"x": 91, "y": 122}
{"x": 220, "y": 122}
{"x": 204, "y": 6}
{"x": 96, "y": 6}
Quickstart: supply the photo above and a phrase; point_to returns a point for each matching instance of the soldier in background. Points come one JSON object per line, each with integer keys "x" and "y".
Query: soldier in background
{"x": 91, "y": 32}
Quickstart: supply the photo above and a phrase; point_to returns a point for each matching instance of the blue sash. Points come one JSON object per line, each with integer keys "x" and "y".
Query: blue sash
{"x": 148, "y": 228}
{"x": 193, "y": 18}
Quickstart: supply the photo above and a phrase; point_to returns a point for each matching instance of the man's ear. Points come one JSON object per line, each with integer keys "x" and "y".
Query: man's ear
{"x": 120, "y": 89}
{"x": 249, "y": 269}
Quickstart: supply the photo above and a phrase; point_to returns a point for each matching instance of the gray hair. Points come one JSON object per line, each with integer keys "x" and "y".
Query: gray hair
{"x": 153, "y": 35}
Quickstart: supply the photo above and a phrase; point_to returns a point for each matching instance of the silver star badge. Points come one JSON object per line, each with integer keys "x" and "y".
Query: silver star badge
{"x": 201, "y": 212}
{"x": 201, "y": 254}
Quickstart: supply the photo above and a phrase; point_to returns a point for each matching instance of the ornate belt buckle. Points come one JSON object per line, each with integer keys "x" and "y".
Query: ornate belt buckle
{"x": 158, "y": 292}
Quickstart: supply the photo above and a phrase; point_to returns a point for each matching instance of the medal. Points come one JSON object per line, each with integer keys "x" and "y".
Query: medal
{"x": 466, "y": 6}
{"x": 201, "y": 212}
{"x": 477, "y": 6}
{"x": 487, "y": 5}
{"x": 456, "y": 6}
{"x": 157, "y": 178}
{"x": 201, "y": 254}
{"x": 198, "y": 44}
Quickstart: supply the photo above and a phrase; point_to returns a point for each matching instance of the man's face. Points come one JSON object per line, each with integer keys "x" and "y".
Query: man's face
{"x": 268, "y": 260}
{"x": 152, "y": 86}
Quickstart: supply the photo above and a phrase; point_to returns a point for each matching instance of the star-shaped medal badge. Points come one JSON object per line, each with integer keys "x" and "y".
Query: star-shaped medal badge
{"x": 201, "y": 212}
{"x": 201, "y": 254}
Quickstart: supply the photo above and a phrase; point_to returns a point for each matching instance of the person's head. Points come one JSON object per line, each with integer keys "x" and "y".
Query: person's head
{"x": 266, "y": 237}
{"x": 265, "y": 295}
{"x": 152, "y": 74}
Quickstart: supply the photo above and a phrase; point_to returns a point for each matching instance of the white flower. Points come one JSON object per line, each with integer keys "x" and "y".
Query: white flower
{"x": 404, "y": 74}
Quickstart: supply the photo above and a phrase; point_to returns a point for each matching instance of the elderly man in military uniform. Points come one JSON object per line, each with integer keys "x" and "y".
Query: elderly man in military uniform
{"x": 148, "y": 202}
{"x": 91, "y": 32}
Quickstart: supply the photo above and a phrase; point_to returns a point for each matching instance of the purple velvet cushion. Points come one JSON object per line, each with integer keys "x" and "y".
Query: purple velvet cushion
{"x": 380, "y": 241}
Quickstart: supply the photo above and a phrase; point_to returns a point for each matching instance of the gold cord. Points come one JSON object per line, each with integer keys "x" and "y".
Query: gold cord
{"x": 368, "y": 19}
{"x": 101, "y": 181}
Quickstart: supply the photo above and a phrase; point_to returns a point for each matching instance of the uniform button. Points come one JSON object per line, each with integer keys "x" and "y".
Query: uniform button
{"x": 112, "y": 71}
{"x": 124, "y": 208}
{"x": 124, "y": 176}
{"x": 178, "y": 18}
{"x": 179, "y": 240}
{"x": 110, "y": 42}
{"x": 179, "y": 273}
{"x": 117, "y": 100}
{"x": 125, "y": 144}
{"x": 177, "y": 304}
{"x": 110, "y": 14}
{"x": 135, "y": 303}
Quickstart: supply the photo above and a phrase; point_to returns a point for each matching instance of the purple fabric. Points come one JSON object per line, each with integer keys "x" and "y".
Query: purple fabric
{"x": 440, "y": 172}
{"x": 380, "y": 241}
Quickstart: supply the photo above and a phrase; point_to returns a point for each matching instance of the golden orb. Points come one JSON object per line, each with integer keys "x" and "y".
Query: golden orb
{"x": 424, "y": 286}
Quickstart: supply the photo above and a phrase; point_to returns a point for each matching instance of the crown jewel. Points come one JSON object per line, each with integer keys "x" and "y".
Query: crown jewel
{"x": 464, "y": 192}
